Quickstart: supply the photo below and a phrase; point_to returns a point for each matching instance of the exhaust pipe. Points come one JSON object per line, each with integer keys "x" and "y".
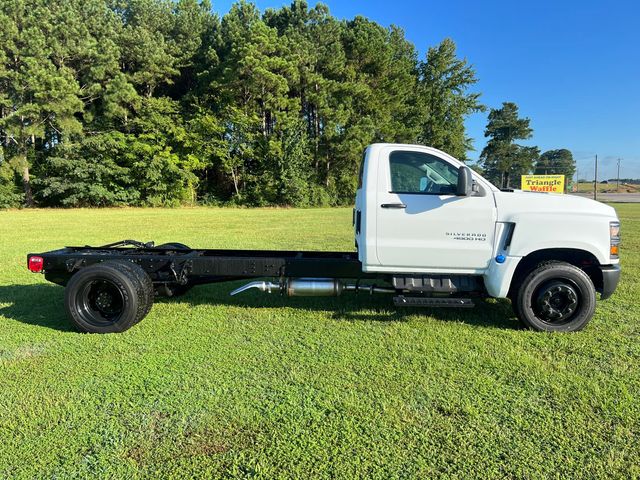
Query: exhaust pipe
{"x": 260, "y": 285}
{"x": 312, "y": 287}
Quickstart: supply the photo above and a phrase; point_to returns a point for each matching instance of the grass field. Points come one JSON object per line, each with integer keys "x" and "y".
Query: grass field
{"x": 587, "y": 187}
{"x": 210, "y": 386}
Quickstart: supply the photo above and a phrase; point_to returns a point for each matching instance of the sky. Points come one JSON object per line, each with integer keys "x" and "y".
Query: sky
{"x": 573, "y": 67}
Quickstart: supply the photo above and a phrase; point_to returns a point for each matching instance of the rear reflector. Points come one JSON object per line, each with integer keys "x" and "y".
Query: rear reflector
{"x": 36, "y": 264}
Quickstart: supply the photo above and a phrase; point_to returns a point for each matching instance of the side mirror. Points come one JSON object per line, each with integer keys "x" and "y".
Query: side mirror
{"x": 465, "y": 182}
{"x": 423, "y": 184}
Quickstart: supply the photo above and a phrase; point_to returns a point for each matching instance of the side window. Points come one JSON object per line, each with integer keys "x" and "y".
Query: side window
{"x": 417, "y": 172}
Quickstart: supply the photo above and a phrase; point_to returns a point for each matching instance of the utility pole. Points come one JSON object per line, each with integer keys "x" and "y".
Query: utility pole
{"x": 595, "y": 181}
{"x": 618, "y": 181}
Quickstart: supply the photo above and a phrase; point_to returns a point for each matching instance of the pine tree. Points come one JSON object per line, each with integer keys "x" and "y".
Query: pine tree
{"x": 445, "y": 103}
{"x": 40, "y": 93}
{"x": 503, "y": 160}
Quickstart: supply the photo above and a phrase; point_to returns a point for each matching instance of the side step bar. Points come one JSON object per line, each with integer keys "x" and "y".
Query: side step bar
{"x": 402, "y": 301}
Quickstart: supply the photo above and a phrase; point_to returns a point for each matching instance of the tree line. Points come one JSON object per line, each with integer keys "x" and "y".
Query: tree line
{"x": 162, "y": 102}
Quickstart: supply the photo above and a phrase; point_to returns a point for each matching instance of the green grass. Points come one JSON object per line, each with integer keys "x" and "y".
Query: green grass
{"x": 587, "y": 187}
{"x": 261, "y": 386}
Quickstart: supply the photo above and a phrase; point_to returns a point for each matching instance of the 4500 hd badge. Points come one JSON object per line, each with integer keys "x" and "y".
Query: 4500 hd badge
{"x": 472, "y": 237}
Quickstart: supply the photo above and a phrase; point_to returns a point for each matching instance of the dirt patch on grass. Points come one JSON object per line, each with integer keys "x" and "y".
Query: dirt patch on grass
{"x": 137, "y": 454}
{"x": 155, "y": 428}
{"x": 217, "y": 441}
{"x": 23, "y": 352}
{"x": 160, "y": 437}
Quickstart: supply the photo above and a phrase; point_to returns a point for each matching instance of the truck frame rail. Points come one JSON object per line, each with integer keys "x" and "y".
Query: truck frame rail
{"x": 167, "y": 265}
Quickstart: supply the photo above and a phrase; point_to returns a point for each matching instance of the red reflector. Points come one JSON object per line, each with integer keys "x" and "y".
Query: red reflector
{"x": 36, "y": 264}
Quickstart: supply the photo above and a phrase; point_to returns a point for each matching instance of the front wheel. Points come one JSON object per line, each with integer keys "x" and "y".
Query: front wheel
{"x": 555, "y": 297}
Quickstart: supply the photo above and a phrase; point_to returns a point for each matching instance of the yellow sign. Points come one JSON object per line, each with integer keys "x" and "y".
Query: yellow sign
{"x": 543, "y": 183}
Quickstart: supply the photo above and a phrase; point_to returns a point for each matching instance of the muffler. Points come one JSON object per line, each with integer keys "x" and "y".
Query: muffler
{"x": 313, "y": 287}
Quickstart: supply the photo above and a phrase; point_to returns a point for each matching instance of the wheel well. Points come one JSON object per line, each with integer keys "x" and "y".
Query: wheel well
{"x": 579, "y": 258}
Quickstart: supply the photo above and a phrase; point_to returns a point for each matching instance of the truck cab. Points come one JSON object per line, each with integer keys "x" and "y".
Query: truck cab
{"x": 421, "y": 213}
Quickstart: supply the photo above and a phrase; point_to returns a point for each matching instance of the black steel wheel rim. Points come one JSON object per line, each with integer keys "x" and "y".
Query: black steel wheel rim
{"x": 100, "y": 302}
{"x": 556, "y": 302}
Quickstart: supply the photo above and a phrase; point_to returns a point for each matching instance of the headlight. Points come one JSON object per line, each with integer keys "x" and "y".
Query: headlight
{"x": 614, "y": 230}
{"x": 614, "y": 234}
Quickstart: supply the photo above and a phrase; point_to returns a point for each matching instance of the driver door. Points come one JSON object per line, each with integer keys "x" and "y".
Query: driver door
{"x": 422, "y": 226}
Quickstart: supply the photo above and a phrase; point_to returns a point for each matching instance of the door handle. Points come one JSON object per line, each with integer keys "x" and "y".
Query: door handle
{"x": 393, "y": 205}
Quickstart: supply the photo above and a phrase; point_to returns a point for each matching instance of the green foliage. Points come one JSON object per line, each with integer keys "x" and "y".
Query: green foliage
{"x": 503, "y": 160}
{"x": 559, "y": 162}
{"x": 476, "y": 168}
{"x": 87, "y": 174}
{"x": 160, "y": 102}
{"x": 444, "y": 80}
{"x": 291, "y": 163}
{"x": 10, "y": 196}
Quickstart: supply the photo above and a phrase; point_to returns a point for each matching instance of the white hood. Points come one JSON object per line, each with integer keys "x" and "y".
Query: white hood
{"x": 550, "y": 221}
{"x": 520, "y": 202}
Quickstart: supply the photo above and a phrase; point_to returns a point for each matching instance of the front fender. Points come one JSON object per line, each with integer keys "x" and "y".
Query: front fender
{"x": 578, "y": 231}
{"x": 497, "y": 278}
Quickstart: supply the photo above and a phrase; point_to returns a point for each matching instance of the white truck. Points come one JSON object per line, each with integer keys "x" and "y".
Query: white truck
{"x": 428, "y": 230}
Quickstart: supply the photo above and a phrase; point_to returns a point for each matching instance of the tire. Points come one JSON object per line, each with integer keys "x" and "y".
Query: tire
{"x": 147, "y": 293}
{"x": 555, "y": 297}
{"x": 174, "y": 289}
{"x": 104, "y": 298}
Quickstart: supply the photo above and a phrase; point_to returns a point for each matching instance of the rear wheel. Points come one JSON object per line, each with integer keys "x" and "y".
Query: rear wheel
{"x": 145, "y": 289}
{"x": 555, "y": 297}
{"x": 173, "y": 289}
{"x": 105, "y": 298}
